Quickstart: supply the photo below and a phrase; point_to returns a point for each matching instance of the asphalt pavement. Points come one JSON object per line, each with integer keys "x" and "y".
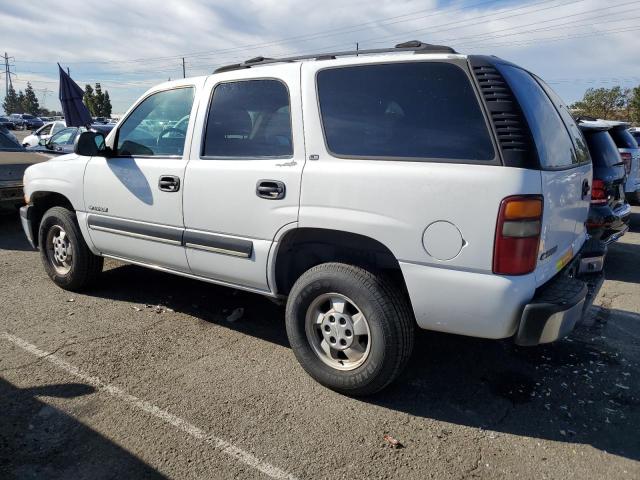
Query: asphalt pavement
{"x": 145, "y": 376}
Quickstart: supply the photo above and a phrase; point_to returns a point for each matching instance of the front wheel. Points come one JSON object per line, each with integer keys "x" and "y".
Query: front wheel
{"x": 350, "y": 329}
{"x": 64, "y": 253}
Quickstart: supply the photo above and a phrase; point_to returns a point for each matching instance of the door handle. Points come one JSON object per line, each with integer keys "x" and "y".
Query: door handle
{"x": 270, "y": 189}
{"x": 169, "y": 183}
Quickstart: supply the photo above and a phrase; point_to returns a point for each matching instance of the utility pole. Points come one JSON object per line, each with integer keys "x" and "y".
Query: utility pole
{"x": 7, "y": 76}
{"x": 184, "y": 73}
{"x": 357, "y": 48}
{"x": 44, "y": 91}
{"x": 68, "y": 71}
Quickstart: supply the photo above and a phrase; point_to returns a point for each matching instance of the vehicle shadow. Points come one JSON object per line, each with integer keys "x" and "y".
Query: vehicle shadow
{"x": 563, "y": 392}
{"x": 11, "y": 235}
{"x": 620, "y": 264}
{"x": 41, "y": 441}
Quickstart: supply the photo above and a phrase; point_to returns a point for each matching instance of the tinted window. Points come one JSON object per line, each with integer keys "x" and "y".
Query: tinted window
{"x": 636, "y": 135}
{"x": 579, "y": 142}
{"x": 603, "y": 150}
{"x": 623, "y": 138}
{"x": 554, "y": 145}
{"x": 403, "y": 110}
{"x": 150, "y": 129}
{"x": 249, "y": 119}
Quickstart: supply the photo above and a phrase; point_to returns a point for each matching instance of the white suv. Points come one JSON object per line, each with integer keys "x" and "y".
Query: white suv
{"x": 403, "y": 187}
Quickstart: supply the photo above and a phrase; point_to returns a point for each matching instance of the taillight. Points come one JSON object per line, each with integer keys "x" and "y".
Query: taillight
{"x": 598, "y": 192}
{"x": 626, "y": 159}
{"x": 515, "y": 250}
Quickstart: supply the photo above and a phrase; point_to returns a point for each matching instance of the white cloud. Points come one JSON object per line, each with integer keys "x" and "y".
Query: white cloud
{"x": 211, "y": 33}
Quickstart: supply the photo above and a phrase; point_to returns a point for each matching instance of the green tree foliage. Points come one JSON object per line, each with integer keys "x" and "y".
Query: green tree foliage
{"x": 30, "y": 102}
{"x": 89, "y": 99}
{"x": 605, "y": 103}
{"x": 634, "y": 104}
{"x": 11, "y": 103}
{"x": 106, "y": 106}
{"x": 97, "y": 101}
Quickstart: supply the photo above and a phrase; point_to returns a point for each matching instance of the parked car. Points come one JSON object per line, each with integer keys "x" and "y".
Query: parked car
{"x": 441, "y": 191}
{"x": 43, "y": 133}
{"x": 14, "y": 159}
{"x": 610, "y": 213}
{"x": 6, "y": 123}
{"x": 630, "y": 153}
{"x": 25, "y": 121}
{"x": 62, "y": 142}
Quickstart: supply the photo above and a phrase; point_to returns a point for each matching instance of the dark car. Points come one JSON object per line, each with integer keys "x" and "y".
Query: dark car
{"x": 62, "y": 142}
{"x": 14, "y": 160}
{"x": 6, "y": 123}
{"x": 630, "y": 153}
{"x": 26, "y": 121}
{"x": 609, "y": 213}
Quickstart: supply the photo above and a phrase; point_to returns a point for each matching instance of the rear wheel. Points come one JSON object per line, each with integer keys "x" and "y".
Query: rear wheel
{"x": 64, "y": 253}
{"x": 350, "y": 329}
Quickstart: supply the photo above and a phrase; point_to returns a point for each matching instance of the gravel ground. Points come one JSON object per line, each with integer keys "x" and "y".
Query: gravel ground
{"x": 144, "y": 377}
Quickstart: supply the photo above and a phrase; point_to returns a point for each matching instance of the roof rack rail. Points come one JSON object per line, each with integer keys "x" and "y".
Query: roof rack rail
{"x": 415, "y": 46}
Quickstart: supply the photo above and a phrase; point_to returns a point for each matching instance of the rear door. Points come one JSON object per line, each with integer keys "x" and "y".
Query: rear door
{"x": 566, "y": 170}
{"x": 242, "y": 183}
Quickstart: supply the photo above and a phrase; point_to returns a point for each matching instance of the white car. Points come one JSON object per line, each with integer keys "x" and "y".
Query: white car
{"x": 399, "y": 188}
{"x": 43, "y": 133}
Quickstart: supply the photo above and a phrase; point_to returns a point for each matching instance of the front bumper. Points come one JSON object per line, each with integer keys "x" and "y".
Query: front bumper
{"x": 26, "y": 215}
{"x": 561, "y": 303}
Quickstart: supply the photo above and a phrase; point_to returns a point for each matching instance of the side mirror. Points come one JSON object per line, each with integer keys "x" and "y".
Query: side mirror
{"x": 91, "y": 144}
{"x": 42, "y": 142}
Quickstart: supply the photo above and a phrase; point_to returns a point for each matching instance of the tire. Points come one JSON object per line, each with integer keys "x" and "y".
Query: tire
{"x": 79, "y": 269}
{"x": 388, "y": 336}
{"x": 633, "y": 198}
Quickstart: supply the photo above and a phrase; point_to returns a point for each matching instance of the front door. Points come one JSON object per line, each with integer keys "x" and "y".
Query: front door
{"x": 134, "y": 198}
{"x": 243, "y": 184}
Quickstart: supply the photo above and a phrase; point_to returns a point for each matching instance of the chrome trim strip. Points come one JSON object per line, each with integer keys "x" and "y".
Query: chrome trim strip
{"x": 216, "y": 250}
{"x": 134, "y": 235}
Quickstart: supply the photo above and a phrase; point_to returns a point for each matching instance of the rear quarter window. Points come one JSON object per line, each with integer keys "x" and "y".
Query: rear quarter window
{"x": 552, "y": 139}
{"x": 411, "y": 111}
{"x": 604, "y": 152}
{"x": 623, "y": 138}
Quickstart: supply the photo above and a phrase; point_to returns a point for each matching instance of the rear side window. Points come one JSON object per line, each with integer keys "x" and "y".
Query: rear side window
{"x": 417, "y": 110}
{"x": 554, "y": 145}
{"x": 249, "y": 119}
{"x": 603, "y": 149}
{"x": 623, "y": 138}
{"x": 579, "y": 142}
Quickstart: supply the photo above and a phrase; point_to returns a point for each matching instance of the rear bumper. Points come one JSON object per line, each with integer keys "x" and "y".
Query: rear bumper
{"x": 561, "y": 303}
{"x": 26, "y": 214}
{"x": 607, "y": 224}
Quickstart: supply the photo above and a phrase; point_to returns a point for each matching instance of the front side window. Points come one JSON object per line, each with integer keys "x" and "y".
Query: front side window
{"x": 153, "y": 128}
{"x": 554, "y": 145}
{"x": 46, "y": 130}
{"x": 249, "y": 119}
{"x": 64, "y": 137}
{"x": 416, "y": 110}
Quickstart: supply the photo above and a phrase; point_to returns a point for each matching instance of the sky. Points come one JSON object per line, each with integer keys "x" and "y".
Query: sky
{"x": 131, "y": 45}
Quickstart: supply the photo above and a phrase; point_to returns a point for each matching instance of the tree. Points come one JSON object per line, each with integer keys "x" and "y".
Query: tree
{"x": 106, "y": 107}
{"x": 30, "y": 102}
{"x": 99, "y": 101}
{"x": 89, "y": 99}
{"x": 634, "y": 104}
{"x": 602, "y": 103}
{"x": 11, "y": 103}
{"x": 21, "y": 101}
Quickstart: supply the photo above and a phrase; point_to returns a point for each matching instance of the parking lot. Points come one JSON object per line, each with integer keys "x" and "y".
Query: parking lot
{"x": 144, "y": 377}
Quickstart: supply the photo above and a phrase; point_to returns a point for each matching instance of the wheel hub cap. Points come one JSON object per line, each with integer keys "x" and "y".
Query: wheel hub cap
{"x": 59, "y": 249}
{"x": 338, "y": 331}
